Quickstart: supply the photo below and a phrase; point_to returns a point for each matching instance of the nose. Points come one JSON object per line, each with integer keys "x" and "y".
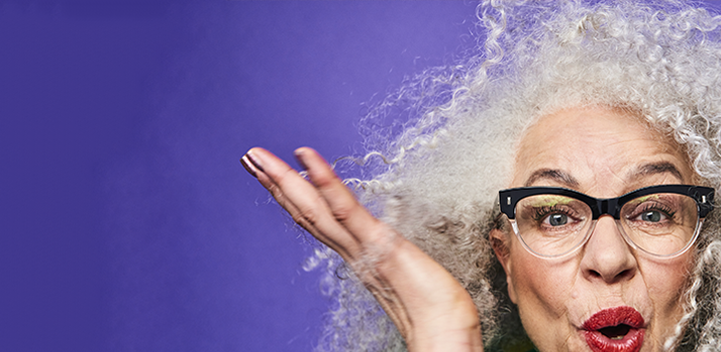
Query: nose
{"x": 606, "y": 256}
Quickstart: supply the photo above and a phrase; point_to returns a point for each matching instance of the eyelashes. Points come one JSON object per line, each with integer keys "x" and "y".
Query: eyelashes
{"x": 642, "y": 213}
{"x": 542, "y": 214}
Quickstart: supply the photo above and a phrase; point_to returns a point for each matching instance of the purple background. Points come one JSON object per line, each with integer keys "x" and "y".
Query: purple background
{"x": 126, "y": 221}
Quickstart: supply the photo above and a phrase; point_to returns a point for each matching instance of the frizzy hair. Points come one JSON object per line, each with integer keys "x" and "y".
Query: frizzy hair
{"x": 435, "y": 176}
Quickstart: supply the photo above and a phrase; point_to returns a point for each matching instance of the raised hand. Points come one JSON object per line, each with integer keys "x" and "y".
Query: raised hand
{"x": 430, "y": 308}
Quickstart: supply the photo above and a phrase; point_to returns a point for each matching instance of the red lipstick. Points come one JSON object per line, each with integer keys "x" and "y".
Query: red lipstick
{"x": 618, "y": 329}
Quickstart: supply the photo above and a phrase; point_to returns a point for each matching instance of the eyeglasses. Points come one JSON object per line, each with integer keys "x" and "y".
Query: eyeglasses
{"x": 663, "y": 220}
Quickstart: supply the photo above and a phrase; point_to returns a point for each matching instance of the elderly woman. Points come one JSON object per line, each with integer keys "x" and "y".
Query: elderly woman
{"x": 599, "y": 125}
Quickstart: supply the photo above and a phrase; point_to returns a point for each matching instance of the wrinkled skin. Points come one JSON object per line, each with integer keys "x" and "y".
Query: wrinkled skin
{"x": 599, "y": 148}
{"x": 430, "y": 308}
{"x": 603, "y": 153}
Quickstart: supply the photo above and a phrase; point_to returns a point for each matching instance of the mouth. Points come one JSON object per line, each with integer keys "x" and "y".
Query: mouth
{"x": 619, "y": 329}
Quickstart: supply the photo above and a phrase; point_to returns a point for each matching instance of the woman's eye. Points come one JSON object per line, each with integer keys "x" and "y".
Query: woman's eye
{"x": 652, "y": 216}
{"x": 557, "y": 219}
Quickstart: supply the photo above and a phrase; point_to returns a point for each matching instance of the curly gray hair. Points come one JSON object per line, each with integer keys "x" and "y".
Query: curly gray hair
{"x": 438, "y": 180}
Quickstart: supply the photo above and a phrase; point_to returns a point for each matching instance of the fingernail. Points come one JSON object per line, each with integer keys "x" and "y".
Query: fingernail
{"x": 255, "y": 159}
{"x": 250, "y": 161}
{"x": 299, "y": 156}
{"x": 248, "y": 165}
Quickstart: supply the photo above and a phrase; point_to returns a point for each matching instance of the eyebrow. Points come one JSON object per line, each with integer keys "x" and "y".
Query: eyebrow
{"x": 570, "y": 182}
{"x": 552, "y": 174}
{"x": 656, "y": 168}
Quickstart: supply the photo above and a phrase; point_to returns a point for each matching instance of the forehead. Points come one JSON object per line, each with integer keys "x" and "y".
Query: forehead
{"x": 601, "y": 149}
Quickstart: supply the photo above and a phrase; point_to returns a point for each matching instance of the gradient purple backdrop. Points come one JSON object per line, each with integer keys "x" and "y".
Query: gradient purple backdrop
{"x": 127, "y": 222}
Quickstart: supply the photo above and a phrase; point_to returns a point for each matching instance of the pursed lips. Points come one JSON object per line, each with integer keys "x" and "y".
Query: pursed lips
{"x": 618, "y": 329}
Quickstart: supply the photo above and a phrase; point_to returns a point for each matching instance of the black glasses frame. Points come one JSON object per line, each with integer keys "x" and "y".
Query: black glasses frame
{"x": 703, "y": 196}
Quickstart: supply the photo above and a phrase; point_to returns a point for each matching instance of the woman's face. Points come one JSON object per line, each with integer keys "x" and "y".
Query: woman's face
{"x": 603, "y": 153}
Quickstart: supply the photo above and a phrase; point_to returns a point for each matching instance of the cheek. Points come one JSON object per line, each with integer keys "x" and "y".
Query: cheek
{"x": 542, "y": 288}
{"x": 666, "y": 282}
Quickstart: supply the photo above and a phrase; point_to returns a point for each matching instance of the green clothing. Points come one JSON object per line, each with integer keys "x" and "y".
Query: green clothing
{"x": 524, "y": 345}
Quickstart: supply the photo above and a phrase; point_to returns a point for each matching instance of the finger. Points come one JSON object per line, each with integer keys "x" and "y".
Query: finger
{"x": 302, "y": 201}
{"x": 337, "y": 243}
{"x": 252, "y": 162}
{"x": 342, "y": 202}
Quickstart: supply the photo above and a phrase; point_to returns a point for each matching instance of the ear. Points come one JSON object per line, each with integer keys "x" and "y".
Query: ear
{"x": 501, "y": 246}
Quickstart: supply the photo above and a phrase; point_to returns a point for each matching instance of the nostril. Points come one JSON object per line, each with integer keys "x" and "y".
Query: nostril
{"x": 624, "y": 274}
{"x": 621, "y": 276}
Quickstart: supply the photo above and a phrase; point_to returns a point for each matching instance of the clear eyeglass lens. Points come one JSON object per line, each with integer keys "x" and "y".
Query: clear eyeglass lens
{"x": 661, "y": 224}
{"x": 552, "y": 224}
